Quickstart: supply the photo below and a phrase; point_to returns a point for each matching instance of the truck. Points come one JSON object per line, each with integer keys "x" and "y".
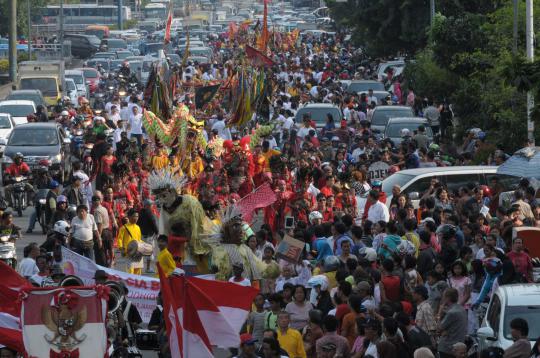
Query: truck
{"x": 46, "y": 76}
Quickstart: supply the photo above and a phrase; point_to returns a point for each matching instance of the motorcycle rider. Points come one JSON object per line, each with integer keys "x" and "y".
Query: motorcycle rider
{"x": 100, "y": 69}
{"x": 7, "y": 227}
{"x": 15, "y": 169}
{"x": 58, "y": 236}
{"x": 64, "y": 119}
{"x": 51, "y": 204}
{"x": 85, "y": 109}
{"x": 41, "y": 114}
{"x": 42, "y": 181}
{"x": 99, "y": 125}
{"x": 61, "y": 211}
{"x": 124, "y": 70}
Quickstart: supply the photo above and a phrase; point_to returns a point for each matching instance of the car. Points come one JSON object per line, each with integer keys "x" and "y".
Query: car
{"x": 123, "y": 54}
{"x": 414, "y": 182}
{"x": 104, "y": 55}
{"x": 318, "y": 112}
{"x": 506, "y": 303}
{"x": 78, "y": 77}
{"x": 31, "y": 95}
{"x": 83, "y": 46}
{"x": 6, "y": 126}
{"x": 39, "y": 141}
{"x": 381, "y": 115}
{"x": 91, "y": 76}
{"x": 18, "y": 109}
{"x": 113, "y": 45}
{"x": 71, "y": 91}
{"x": 201, "y": 60}
{"x": 395, "y": 125}
{"x": 380, "y": 95}
{"x": 384, "y": 66}
{"x": 357, "y": 86}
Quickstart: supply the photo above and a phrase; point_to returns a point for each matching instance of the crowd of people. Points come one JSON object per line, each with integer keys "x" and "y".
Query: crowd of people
{"x": 376, "y": 278}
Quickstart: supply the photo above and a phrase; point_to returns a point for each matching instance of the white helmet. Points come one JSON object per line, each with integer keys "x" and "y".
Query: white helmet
{"x": 61, "y": 227}
{"x": 405, "y": 132}
{"x": 64, "y": 113}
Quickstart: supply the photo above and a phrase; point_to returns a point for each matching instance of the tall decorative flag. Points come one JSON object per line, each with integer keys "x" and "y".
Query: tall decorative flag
{"x": 201, "y": 313}
{"x": 168, "y": 27}
{"x": 262, "y": 41}
{"x": 64, "y": 322}
{"x": 10, "y": 308}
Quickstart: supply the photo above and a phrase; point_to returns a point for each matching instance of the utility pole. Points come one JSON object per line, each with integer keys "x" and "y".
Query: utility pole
{"x": 529, "y": 36}
{"x": 516, "y": 20}
{"x": 432, "y": 11}
{"x": 120, "y": 19}
{"x": 61, "y": 29}
{"x": 29, "y": 30}
{"x": 13, "y": 40}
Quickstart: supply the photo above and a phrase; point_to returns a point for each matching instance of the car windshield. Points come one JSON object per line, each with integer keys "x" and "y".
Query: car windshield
{"x": 33, "y": 137}
{"x": 530, "y": 313}
{"x": 365, "y": 86}
{"x": 24, "y": 96}
{"x": 4, "y": 122}
{"x": 123, "y": 55}
{"x": 70, "y": 86}
{"x": 90, "y": 73}
{"x": 17, "y": 110}
{"x": 380, "y": 117}
{"x": 395, "y": 179}
{"x": 79, "y": 80}
{"x": 47, "y": 86}
{"x": 318, "y": 115}
{"x": 116, "y": 43}
{"x": 393, "y": 130}
{"x": 94, "y": 40}
{"x": 104, "y": 64}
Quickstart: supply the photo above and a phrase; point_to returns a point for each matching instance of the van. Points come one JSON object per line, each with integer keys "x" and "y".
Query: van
{"x": 83, "y": 46}
{"x": 509, "y": 302}
{"x": 414, "y": 182}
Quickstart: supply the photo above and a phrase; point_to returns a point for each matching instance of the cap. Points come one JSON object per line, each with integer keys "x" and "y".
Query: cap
{"x": 100, "y": 274}
{"x": 247, "y": 338}
{"x": 370, "y": 254}
{"x": 426, "y": 220}
{"x": 54, "y": 184}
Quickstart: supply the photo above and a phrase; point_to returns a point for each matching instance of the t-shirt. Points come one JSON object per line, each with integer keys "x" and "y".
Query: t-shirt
{"x": 299, "y": 314}
{"x": 392, "y": 287}
{"x": 83, "y": 230}
{"x": 522, "y": 262}
{"x": 101, "y": 216}
{"x": 257, "y": 321}
{"x": 28, "y": 267}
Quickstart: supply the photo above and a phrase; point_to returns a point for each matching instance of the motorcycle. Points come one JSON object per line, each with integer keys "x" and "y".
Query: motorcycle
{"x": 77, "y": 143}
{"x": 88, "y": 162}
{"x": 41, "y": 204}
{"x": 19, "y": 194}
{"x": 8, "y": 253}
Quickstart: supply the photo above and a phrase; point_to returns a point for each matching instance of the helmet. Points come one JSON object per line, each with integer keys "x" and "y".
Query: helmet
{"x": 54, "y": 184}
{"x": 315, "y": 215}
{"x": 18, "y": 155}
{"x": 61, "y": 199}
{"x": 61, "y": 227}
{"x": 434, "y": 147}
{"x": 376, "y": 183}
{"x": 66, "y": 99}
{"x": 64, "y": 113}
{"x": 405, "y": 132}
{"x": 331, "y": 263}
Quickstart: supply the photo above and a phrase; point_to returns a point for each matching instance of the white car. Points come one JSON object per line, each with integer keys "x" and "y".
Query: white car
{"x": 18, "y": 109}
{"x": 71, "y": 91}
{"x": 507, "y": 303}
{"x": 78, "y": 77}
{"x": 6, "y": 127}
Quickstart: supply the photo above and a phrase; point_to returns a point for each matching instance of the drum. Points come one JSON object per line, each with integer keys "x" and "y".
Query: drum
{"x": 146, "y": 339}
{"x": 136, "y": 249}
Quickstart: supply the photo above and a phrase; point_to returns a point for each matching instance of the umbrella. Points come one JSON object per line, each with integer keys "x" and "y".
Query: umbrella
{"x": 524, "y": 163}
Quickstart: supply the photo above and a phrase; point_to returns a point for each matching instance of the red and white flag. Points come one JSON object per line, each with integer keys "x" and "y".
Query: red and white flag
{"x": 167, "y": 38}
{"x": 203, "y": 313}
{"x": 65, "y": 322}
{"x": 10, "y": 286}
{"x": 262, "y": 197}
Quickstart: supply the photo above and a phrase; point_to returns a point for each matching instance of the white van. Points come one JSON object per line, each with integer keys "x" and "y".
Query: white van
{"x": 509, "y": 302}
{"x": 414, "y": 182}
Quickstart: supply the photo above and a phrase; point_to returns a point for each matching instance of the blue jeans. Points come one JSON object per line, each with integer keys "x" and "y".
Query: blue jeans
{"x": 33, "y": 220}
{"x": 83, "y": 249}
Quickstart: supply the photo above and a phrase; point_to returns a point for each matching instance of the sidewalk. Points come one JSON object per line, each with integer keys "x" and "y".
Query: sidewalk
{"x": 5, "y": 90}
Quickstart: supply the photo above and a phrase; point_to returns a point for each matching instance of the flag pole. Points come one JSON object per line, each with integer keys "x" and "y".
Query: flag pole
{"x": 184, "y": 299}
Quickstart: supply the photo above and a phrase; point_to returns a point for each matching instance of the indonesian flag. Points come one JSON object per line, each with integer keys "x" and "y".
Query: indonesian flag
{"x": 257, "y": 58}
{"x": 65, "y": 322}
{"x": 202, "y": 313}
{"x": 10, "y": 286}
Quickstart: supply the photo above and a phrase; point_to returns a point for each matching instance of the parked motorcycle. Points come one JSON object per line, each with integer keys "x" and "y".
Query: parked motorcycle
{"x": 8, "y": 252}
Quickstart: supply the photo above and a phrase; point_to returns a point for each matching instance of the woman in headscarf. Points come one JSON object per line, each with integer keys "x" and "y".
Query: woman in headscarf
{"x": 320, "y": 296}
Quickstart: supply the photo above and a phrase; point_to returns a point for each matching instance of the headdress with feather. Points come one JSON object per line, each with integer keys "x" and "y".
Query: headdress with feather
{"x": 164, "y": 179}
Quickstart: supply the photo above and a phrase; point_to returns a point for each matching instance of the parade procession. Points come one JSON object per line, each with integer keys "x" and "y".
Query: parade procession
{"x": 268, "y": 179}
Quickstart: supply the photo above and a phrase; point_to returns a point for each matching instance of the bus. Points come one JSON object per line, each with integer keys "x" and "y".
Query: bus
{"x": 85, "y": 14}
{"x": 156, "y": 11}
{"x": 100, "y": 31}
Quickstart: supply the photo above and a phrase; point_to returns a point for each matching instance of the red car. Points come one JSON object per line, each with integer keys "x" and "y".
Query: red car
{"x": 91, "y": 76}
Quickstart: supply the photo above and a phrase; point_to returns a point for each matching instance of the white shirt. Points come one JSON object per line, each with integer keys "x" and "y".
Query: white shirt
{"x": 135, "y": 123}
{"x": 288, "y": 123}
{"x": 245, "y": 282}
{"x": 373, "y": 99}
{"x": 28, "y": 267}
{"x": 223, "y": 131}
{"x": 83, "y": 230}
{"x": 378, "y": 212}
{"x": 357, "y": 153}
